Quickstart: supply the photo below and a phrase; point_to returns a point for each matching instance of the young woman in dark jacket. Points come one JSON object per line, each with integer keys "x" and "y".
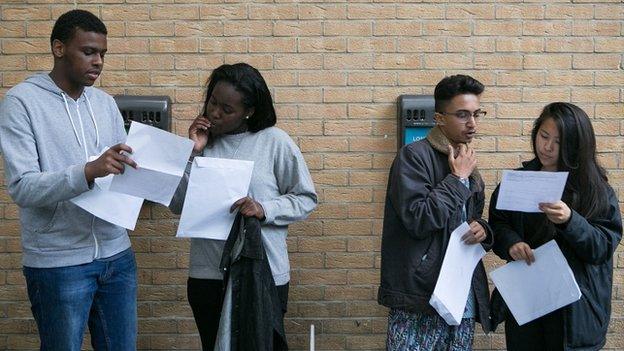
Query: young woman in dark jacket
{"x": 586, "y": 225}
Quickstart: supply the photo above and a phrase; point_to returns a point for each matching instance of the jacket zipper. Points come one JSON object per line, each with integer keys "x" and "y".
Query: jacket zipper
{"x": 84, "y": 142}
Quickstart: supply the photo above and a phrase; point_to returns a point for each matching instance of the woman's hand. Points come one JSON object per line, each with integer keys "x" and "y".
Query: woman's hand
{"x": 199, "y": 133}
{"x": 248, "y": 207}
{"x": 557, "y": 212}
{"x": 475, "y": 235}
{"x": 522, "y": 251}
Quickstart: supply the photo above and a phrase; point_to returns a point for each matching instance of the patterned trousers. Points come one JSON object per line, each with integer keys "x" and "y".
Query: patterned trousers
{"x": 425, "y": 332}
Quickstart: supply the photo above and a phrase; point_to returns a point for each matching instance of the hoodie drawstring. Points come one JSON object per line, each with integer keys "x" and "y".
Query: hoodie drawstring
{"x": 70, "y": 119}
{"x": 97, "y": 132}
{"x": 82, "y": 142}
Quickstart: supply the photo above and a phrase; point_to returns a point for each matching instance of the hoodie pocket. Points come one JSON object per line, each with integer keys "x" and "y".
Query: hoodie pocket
{"x": 49, "y": 216}
{"x": 61, "y": 232}
{"x": 53, "y": 219}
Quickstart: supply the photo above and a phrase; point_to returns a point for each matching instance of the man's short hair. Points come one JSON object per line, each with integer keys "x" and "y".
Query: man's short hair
{"x": 449, "y": 87}
{"x": 67, "y": 24}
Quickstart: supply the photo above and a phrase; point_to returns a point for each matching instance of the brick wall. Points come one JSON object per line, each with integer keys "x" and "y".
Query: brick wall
{"x": 335, "y": 70}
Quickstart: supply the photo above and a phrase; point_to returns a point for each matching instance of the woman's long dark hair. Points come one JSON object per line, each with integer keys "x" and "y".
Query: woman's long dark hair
{"x": 254, "y": 90}
{"x": 587, "y": 187}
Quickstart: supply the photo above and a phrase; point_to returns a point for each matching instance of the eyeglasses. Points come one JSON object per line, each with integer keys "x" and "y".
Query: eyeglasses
{"x": 464, "y": 116}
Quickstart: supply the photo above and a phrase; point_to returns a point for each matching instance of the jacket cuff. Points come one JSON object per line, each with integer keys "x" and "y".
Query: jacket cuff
{"x": 489, "y": 239}
{"x": 570, "y": 223}
{"x": 465, "y": 192}
{"x": 78, "y": 180}
{"x": 571, "y": 228}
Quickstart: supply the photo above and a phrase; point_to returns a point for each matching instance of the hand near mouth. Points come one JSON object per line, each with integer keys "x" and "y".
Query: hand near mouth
{"x": 199, "y": 132}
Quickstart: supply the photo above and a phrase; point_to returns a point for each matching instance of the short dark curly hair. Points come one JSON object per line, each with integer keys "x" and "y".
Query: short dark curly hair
{"x": 449, "y": 87}
{"x": 67, "y": 23}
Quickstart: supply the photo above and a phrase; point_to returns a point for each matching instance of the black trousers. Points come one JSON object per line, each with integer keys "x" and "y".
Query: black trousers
{"x": 206, "y": 299}
{"x": 544, "y": 333}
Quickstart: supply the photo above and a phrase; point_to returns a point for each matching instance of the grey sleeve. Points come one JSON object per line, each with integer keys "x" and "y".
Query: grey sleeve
{"x": 298, "y": 197}
{"x": 26, "y": 183}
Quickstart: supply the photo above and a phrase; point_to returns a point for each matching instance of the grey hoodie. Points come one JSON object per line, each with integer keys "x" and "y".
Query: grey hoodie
{"x": 46, "y": 138}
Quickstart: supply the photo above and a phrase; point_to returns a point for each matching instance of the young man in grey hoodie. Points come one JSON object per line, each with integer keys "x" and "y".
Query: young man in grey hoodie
{"x": 78, "y": 268}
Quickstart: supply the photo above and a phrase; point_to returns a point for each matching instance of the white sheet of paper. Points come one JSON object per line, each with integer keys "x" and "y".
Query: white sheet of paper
{"x": 524, "y": 190}
{"x": 214, "y": 185}
{"x": 453, "y": 285}
{"x": 116, "y": 208}
{"x": 533, "y": 291}
{"x": 161, "y": 158}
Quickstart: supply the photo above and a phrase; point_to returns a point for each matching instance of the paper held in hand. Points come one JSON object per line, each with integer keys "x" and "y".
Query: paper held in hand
{"x": 214, "y": 185}
{"x": 453, "y": 285}
{"x": 113, "y": 207}
{"x": 161, "y": 158}
{"x": 536, "y": 290}
{"x": 524, "y": 190}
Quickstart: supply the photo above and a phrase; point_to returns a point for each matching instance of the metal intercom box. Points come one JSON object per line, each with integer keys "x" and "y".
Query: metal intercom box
{"x": 415, "y": 117}
{"x": 151, "y": 110}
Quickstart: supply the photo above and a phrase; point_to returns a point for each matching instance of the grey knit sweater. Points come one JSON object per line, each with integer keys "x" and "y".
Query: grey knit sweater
{"x": 280, "y": 182}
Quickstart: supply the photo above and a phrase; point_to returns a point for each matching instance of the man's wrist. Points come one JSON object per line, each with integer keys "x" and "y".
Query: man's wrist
{"x": 88, "y": 174}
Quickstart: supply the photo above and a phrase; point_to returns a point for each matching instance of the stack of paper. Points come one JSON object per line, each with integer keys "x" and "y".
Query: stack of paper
{"x": 214, "y": 185}
{"x": 453, "y": 285}
{"x": 533, "y": 291}
{"x": 524, "y": 190}
{"x": 116, "y": 208}
{"x": 161, "y": 158}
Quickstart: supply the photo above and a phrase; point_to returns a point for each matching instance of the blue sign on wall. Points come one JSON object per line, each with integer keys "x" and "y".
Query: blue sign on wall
{"x": 413, "y": 134}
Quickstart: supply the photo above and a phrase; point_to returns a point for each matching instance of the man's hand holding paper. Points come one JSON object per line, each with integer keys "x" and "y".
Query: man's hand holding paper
{"x": 451, "y": 291}
{"x": 161, "y": 158}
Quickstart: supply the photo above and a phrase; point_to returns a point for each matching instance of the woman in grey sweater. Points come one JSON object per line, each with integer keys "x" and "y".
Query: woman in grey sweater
{"x": 237, "y": 122}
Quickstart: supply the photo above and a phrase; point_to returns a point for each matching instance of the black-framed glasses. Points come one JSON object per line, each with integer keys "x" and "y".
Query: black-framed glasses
{"x": 464, "y": 116}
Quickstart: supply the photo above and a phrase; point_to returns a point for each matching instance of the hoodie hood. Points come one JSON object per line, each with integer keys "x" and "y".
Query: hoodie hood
{"x": 45, "y": 82}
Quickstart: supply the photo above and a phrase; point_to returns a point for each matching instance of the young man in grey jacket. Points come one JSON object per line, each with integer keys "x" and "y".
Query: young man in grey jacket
{"x": 78, "y": 268}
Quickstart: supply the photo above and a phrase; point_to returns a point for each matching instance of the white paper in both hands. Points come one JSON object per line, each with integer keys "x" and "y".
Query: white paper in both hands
{"x": 524, "y": 190}
{"x": 451, "y": 291}
{"x": 214, "y": 185}
{"x": 113, "y": 207}
{"x": 161, "y": 158}
{"x": 536, "y": 290}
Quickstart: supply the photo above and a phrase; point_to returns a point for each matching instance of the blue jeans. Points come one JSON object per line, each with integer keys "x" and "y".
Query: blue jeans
{"x": 102, "y": 293}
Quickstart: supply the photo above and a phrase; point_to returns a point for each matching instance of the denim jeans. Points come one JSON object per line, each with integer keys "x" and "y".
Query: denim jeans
{"x": 102, "y": 293}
